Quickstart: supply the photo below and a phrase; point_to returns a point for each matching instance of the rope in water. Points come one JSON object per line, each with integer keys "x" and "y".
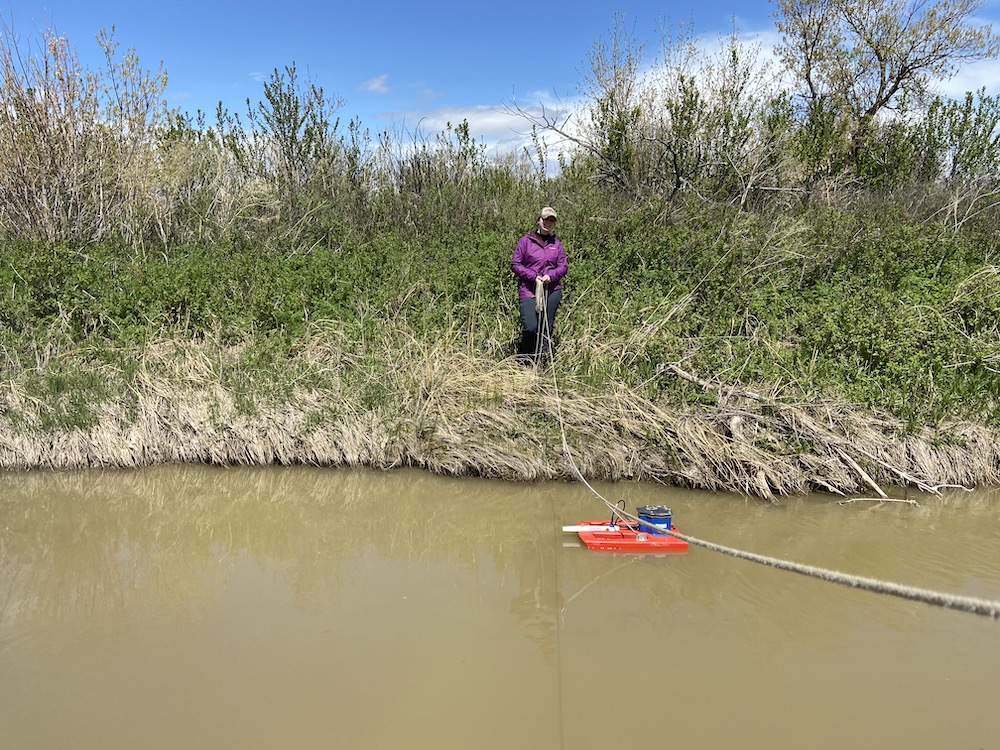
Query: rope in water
{"x": 969, "y": 604}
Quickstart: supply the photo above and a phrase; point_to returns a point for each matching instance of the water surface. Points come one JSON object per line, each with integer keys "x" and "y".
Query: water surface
{"x": 201, "y": 607}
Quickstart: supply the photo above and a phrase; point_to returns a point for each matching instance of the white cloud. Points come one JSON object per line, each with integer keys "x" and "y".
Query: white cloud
{"x": 503, "y": 128}
{"x": 972, "y": 77}
{"x": 423, "y": 90}
{"x": 376, "y": 85}
{"x": 983, "y": 74}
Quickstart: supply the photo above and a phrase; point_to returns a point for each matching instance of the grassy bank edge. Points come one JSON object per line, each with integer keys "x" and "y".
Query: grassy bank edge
{"x": 453, "y": 411}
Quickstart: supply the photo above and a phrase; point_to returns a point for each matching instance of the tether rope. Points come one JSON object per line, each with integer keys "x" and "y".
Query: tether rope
{"x": 972, "y": 605}
{"x": 542, "y": 326}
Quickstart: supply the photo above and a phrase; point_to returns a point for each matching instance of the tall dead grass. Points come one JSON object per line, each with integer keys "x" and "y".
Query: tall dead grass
{"x": 404, "y": 401}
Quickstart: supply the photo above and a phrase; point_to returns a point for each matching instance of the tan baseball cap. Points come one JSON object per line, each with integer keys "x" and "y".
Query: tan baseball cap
{"x": 547, "y": 212}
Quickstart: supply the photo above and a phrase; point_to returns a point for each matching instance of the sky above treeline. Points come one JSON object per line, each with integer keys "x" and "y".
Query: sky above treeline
{"x": 399, "y": 66}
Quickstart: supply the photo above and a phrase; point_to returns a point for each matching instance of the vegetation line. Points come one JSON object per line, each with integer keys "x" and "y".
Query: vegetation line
{"x": 455, "y": 412}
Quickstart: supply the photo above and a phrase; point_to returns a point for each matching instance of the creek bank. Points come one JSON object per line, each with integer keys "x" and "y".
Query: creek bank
{"x": 502, "y": 422}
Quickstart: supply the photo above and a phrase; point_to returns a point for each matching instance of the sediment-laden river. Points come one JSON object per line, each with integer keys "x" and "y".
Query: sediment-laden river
{"x": 200, "y": 607}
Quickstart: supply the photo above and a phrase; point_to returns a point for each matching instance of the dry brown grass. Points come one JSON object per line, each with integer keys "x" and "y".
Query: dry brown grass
{"x": 451, "y": 411}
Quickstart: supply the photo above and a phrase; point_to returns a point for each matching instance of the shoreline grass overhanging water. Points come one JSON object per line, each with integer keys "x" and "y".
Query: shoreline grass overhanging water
{"x": 388, "y": 397}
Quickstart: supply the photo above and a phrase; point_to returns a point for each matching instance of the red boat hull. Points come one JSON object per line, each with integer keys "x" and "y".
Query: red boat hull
{"x": 627, "y": 539}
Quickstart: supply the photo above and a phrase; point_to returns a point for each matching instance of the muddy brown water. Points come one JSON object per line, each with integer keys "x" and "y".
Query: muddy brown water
{"x": 201, "y": 607}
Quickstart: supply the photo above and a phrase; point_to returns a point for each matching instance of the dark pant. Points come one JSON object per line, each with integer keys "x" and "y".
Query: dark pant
{"x": 536, "y": 330}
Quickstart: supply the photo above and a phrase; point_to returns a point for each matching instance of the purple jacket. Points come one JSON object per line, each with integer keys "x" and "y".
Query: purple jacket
{"x": 536, "y": 255}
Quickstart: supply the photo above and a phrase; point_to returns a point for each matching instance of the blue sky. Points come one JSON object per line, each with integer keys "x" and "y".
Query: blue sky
{"x": 393, "y": 63}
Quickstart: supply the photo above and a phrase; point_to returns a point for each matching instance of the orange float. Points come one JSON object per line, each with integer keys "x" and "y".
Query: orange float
{"x": 652, "y": 532}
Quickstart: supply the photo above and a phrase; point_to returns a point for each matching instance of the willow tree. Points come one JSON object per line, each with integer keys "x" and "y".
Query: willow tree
{"x": 852, "y": 60}
{"x": 612, "y": 87}
{"x": 76, "y": 144}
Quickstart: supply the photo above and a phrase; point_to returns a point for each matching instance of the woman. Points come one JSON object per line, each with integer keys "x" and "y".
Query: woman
{"x": 539, "y": 263}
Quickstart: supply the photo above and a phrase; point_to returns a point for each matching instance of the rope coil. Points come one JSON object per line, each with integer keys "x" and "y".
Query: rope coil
{"x": 543, "y": 334}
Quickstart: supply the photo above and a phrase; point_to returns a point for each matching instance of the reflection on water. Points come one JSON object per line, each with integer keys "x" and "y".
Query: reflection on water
{"x": 537, "y": 605}
{"x": 81, "y": 542}
{"x": 196, "y": 606}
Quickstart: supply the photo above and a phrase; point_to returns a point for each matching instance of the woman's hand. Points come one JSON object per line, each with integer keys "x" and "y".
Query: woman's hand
{"x": 545, "y": 279}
